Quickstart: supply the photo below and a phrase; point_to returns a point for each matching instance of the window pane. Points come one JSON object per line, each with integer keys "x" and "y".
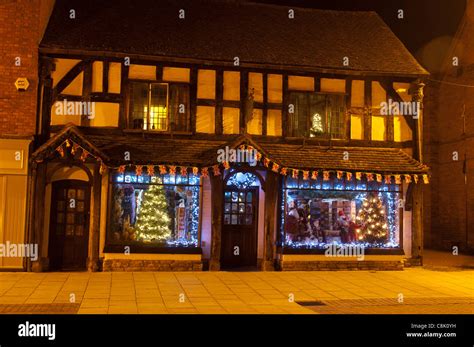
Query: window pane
{"x": 158, "y": 212}
{"x": 314, "y": 218}
{"x": 179, "y": 107}
{"x": 138, "y": 105}
{"x": 158, "y": 115}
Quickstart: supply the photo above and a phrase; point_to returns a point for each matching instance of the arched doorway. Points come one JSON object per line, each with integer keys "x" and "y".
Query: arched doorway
{"x": 69, "y": 225}
{"x": 240, "y": 220}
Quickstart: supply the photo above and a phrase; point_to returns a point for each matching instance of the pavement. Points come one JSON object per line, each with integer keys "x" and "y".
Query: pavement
{"x": 414, "y": 290}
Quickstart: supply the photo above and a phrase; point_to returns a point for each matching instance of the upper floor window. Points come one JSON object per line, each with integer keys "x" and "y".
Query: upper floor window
{"x": 159, "y": 106}
{"x": 316, "y": 115}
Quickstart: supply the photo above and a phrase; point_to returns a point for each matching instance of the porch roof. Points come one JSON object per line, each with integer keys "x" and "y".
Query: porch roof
{"x": 203, "y": 152}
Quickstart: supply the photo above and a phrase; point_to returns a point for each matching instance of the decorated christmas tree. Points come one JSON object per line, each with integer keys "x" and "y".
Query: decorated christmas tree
{"x": 153, "y": 222}
{"x": 373, "y": 220}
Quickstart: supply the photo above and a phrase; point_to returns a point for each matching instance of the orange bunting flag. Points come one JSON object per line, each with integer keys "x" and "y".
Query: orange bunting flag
{"x": 226, "y": 165}
{"x": 121, "y": 169}
{"x": 84, "y": 155}
{"x": 284, "y": 171}
{"x": 151, "y": 170}
{"x": 370, "y": 177}
{"x": 68, "y": 143}
{"x": 162, "y": 169}
{"x": 204, "y": 172}
{"x": 388, "y": 179}
{"x": 295, "y": 173}
{"x": 138, "y": 170}
{"x": 215, "y": 170}
{"x": 60, "y": 149}
{"x": 326, "y": 175}
{"x": 348, "y": 176}
{"x": 314, "y": 175}
{"x": 275, "y": 167}
{"x": 378, "y": 177}
{"x": 195, "y": 171}
{"x": 184, "y": 171}
{"x": 74, "y": 148}
{"x": 305, "y": 175}
{"x": 426, "y": 179}
{"x": 339, "y": 175}
{"x": 415, "y": 178}
{"x": 407, "y": 179}
{"x": 172, "y": 170}
{"x": 266, "y": 162}
{"x": 398, "y": 179}
{"x": 358, "y": 176}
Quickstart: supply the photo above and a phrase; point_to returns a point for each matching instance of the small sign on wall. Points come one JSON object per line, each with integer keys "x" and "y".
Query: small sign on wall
{"x": 22, "y": 84}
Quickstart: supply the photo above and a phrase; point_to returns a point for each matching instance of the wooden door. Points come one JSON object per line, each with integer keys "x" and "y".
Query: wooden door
{"x": 239, "y": 232}
{"x": 69, "y": 225}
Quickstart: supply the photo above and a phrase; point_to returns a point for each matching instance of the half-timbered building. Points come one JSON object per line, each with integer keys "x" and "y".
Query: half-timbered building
{"x": 191, "y": 135}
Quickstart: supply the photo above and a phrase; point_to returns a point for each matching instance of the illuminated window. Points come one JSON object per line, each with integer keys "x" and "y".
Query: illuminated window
{"x": 318, "y": 212}
{"x": 159, "y": 107}
{"x": 316, "y": 115}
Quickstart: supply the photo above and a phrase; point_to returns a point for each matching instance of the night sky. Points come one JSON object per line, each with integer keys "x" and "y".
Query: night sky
{"x": 426, "y": 30}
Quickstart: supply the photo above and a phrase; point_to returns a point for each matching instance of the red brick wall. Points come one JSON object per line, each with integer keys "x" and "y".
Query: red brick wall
{"x": 449, "y": 127}
{"x": 19, "y": 33}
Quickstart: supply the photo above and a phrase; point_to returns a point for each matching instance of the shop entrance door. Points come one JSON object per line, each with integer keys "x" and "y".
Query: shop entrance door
{"x": 69, "y": 225}
{"x": 239, "y": 232}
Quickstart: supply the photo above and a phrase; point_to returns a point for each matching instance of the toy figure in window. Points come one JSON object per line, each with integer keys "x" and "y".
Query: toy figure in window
{"x": 292, "y": 221}
{"x": 343, "y": 224}
{"x": 353, "y": 228}
{"x": 303, "y": 225}
{"x": 129, "y": 204}
{"x": 316, "y": 230}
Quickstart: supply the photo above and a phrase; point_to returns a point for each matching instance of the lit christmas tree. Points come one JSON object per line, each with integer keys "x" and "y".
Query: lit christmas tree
{"x": 373, "y": 220}
{"x": 153, "y": 220}
{"x": 316, "y": 125}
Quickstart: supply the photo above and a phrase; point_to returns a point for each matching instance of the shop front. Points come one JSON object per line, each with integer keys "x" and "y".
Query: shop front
{"x": 198, "y": 214}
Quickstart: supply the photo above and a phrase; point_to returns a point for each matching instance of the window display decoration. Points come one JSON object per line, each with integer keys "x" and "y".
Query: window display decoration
{"x": 372, "y": 220}
{"x": 158, "y": 210}
{"x": 243, "y": 180}
{"x": 153, "y": 220}
{"x": 317, "y": 213}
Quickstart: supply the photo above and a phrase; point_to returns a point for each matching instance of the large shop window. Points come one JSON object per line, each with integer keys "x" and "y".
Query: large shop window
{"x": 316, "y": 115}
{"x": 158, "y": 210}
{"x": 316, "y": 213}
{"x": 159, "y": 106}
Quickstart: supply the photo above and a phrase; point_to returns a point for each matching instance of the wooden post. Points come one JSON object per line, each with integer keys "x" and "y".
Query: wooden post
{"x": 417, "y": 223}
{"x": 217, "y": 194}
{"x": 94, "y": 228}
{"x": 416, "y": 91}
{"x": 368, "y": 107}
{"x": 42, "y": 263}
{"x": 284, "y": 110}
{"x": 192, "y": 98}
{"x": 271, "y": 199}
{"x": 219, "y": 100}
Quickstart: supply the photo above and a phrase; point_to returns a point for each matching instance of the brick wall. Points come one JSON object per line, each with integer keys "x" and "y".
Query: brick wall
{"x": 21, "y": 25}
{"x": 449, "y": 128}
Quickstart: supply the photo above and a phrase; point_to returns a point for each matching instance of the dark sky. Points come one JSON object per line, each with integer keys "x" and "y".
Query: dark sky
{"x": 426, "y": 29}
